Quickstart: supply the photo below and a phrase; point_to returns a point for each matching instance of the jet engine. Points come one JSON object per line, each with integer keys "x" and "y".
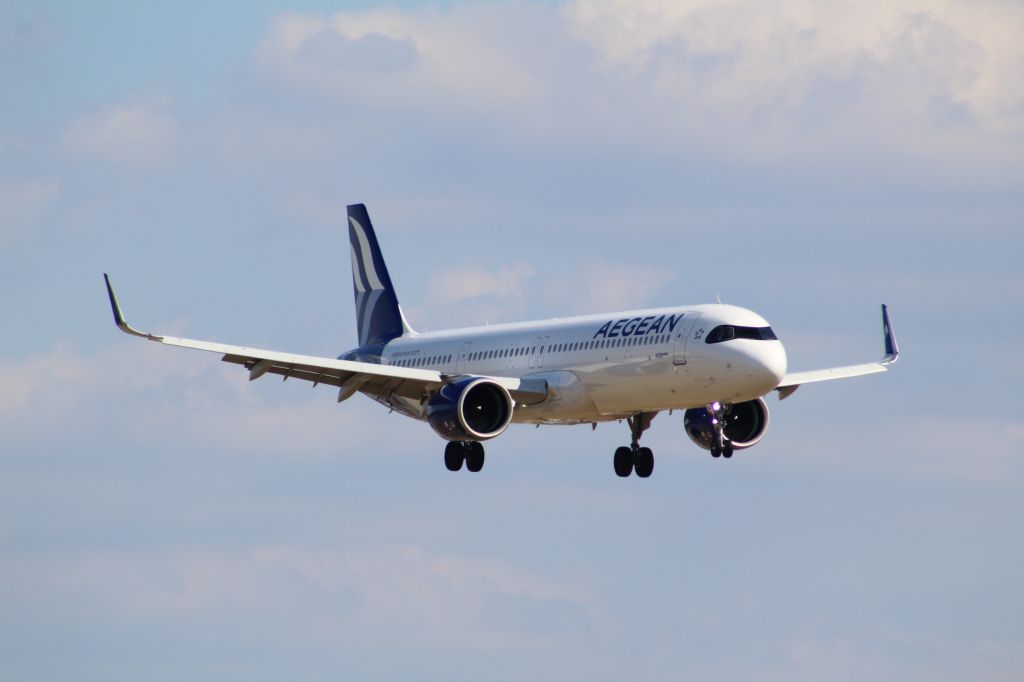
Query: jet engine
{"x": 470, "y": 410}
{"x": 745, "y": 424}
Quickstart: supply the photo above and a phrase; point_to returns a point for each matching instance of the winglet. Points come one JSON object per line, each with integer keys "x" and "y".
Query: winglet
{"x": 119, "y": 318}
{"x": 892, "y": 349}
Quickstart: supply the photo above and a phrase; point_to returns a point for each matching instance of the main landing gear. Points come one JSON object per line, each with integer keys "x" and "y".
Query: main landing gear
{"x": 471, "y": 452}
{"x": 721, "y": 446}
{"x": 635, "y": 458}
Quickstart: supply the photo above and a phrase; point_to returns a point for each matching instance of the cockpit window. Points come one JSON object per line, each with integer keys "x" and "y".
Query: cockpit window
{"x": 728, "y": 332}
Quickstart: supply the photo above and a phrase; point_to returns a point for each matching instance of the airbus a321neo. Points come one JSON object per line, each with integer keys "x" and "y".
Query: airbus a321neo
{"x": 713, "y": 362}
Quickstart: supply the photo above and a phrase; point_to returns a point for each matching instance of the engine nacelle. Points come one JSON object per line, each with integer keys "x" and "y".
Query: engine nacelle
{"x": 745, "y": 424}
{"x": 471, "y": 409}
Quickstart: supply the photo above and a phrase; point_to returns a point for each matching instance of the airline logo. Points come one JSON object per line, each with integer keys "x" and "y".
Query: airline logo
{"x": 639, "y": 326}
{"x": 365, "y": 278}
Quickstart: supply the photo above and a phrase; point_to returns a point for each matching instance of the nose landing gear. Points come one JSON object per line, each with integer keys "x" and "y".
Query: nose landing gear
{"x": 721, "y": 446}
{"x": 635, "y": 458}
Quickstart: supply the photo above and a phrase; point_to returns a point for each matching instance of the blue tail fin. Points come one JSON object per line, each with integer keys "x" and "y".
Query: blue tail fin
{"x": 378, "y": 317}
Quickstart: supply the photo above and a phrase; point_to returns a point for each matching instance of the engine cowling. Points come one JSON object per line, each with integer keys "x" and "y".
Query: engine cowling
{"x": 745, "y": 424}
{"x": 471, "y": 409}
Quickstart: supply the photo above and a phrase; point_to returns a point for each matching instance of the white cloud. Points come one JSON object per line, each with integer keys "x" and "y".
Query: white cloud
{"x": 140, "y": 391}
{"x": 133, "y": 134}
{"x": 868, "y": 89}
{"x": 353, "y": 595}
{"x": 458, "y": 284}
{"x": 971, "y": 449}
{"x": 23, "y": 202}
{"x": 420, "y": 56}
{"x": 749, "y": 59}
{"x": 601, "y": 286}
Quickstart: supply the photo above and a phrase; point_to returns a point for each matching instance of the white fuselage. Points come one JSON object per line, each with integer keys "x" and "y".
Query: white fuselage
{"x": 601, "y": 367}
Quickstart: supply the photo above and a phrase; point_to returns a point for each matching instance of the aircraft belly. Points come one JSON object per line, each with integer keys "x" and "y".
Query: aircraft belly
{"x": 647, "y": 385}
{"x": 568, "y": 400}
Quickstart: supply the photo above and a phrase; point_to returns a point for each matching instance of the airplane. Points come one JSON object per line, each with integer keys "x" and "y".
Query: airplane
{"x": 714, "y": 362}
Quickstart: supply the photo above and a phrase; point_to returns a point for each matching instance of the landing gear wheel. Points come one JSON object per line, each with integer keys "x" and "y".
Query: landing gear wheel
{"x": 623, "y": 462}
{"x": 474, "y": 456}
{"x": 635, "y": 457}
{"x": 716, "y": 451}
{"x": 454, "y": 454}
{"x": 644, "y": 462}
{"x": 727, "y": 451}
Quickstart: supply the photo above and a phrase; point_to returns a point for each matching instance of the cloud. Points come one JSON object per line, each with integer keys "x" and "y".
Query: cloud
{"x": 477, "y": 294}
{"x": 131, "y": 134}
{"x": 139, "y": 391}
{"x": 399, "y": 57}
{"x": 972, "y": 449}
{"x": 365, "y": 596}
{"x": 467, "y": 282}
{"x": 744, "y": 59}
{"x": 601, "y": 286}
{"x": 24, "y": 202}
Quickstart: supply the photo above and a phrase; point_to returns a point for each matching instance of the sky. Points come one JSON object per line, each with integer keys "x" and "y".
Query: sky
{"x": 162, "y": 518}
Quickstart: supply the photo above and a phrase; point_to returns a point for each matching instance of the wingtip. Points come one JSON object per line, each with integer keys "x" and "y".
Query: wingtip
{"x": 114, "y": 307}
{"x": 892, "y": 348}
{"x": 119, "y": 320}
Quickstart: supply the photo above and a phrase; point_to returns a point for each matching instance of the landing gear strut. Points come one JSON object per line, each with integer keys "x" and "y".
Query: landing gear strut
{"x": 635, "y": 458}
{"x": 721, "y": 446}
{"x": 471, "y": 452}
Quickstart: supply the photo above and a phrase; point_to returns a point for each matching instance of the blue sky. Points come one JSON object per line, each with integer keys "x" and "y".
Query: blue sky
{"x": 163, "y": 518}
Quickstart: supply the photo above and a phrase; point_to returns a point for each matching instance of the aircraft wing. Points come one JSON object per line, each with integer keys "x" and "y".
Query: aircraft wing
{"x": 793, "y": 381}
{"x": 347, "y": 375}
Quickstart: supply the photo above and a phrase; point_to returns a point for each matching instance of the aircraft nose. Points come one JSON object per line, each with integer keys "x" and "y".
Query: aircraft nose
{"x": 772, "y": 357}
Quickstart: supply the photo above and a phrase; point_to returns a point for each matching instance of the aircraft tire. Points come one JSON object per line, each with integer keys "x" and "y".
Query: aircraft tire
{"x": 623, "y": 462}
{"x": 644, "y": 462}
{"x": 727, "y": 451}
{"x": 454, "y": 454}
{"x": 474, "y": 457}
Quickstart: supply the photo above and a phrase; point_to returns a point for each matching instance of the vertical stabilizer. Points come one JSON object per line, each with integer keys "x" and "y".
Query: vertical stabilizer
{"x": 378, "y": 317}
